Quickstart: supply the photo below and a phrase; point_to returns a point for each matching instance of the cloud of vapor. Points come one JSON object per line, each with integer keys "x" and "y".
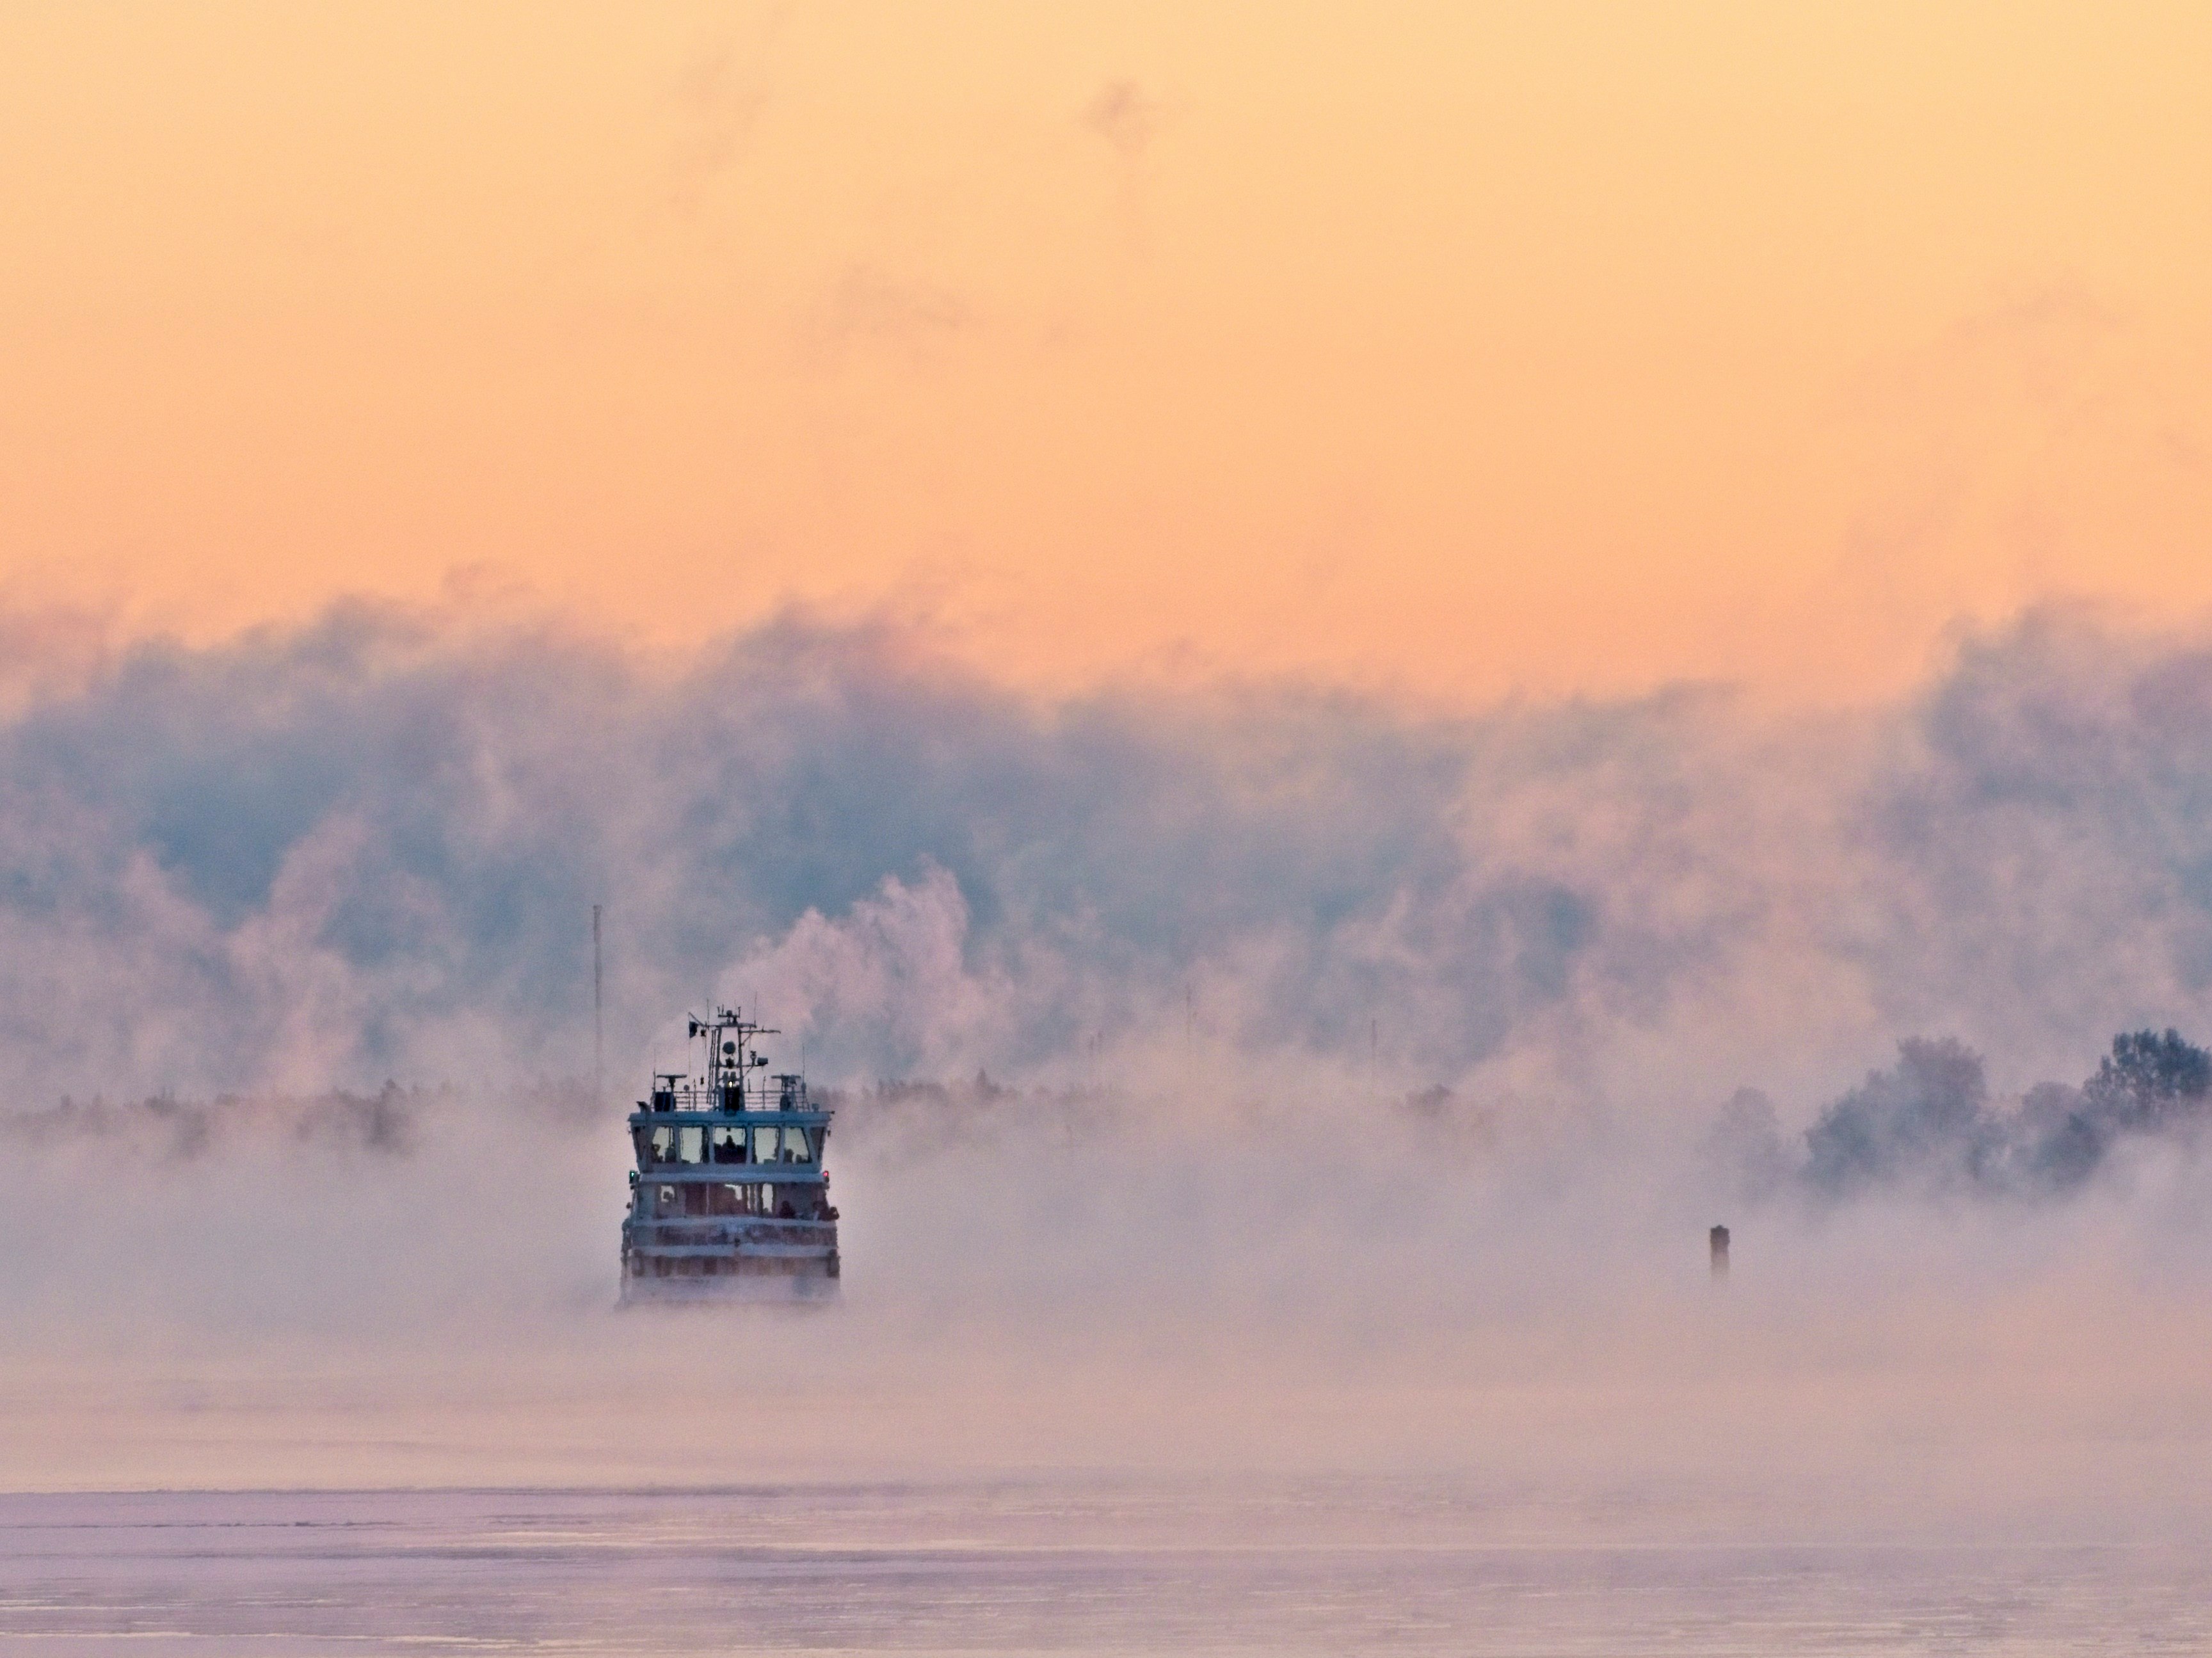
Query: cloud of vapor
{"x": 364, "y": 851}
{"x": 1247, "y": 1046}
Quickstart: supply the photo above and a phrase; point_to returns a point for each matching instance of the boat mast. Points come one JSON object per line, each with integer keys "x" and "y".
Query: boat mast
{"x": 729, "y": 1059}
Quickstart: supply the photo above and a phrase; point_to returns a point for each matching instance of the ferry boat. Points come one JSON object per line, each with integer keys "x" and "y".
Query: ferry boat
{"x": 729, "y": 1200}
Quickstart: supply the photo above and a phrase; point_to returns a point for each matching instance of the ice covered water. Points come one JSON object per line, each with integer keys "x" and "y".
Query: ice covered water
{"x": 1052, "y": 1567}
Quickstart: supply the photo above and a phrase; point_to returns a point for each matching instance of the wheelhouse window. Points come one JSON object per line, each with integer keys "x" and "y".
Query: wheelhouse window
{"x": 725, "y": 1144}
{"x": 789, "y": 1144}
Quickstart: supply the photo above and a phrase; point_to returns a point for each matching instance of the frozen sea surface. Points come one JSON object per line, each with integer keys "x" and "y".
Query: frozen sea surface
{"x": 1037, "y": 1568}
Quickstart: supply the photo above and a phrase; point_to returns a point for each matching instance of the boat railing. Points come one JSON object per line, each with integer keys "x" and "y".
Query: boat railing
{"x": 731, "y": 1098}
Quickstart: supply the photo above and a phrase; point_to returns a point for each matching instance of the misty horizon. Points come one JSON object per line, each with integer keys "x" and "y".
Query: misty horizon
{"x": 1454, "y": 762}
{"x": 1310, "y": 1062}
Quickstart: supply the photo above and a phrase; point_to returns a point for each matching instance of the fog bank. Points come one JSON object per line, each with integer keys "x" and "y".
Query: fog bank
{"x": 1269, "y": 1078}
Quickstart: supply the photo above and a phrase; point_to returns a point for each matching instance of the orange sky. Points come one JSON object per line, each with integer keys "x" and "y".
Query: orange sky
{"x": 1467, "y": 348}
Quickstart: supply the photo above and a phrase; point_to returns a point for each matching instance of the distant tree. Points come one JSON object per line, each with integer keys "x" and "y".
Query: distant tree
{"x": 2148, "y": 1080}
{"x": 1925, "y": 1116}
{"x": 1928, "y": 1118}
{"x": 2056, "y": 1143}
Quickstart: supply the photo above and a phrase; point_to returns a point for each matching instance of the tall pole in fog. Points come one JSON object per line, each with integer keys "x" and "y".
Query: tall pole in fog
{"x": 598, "y": 1019}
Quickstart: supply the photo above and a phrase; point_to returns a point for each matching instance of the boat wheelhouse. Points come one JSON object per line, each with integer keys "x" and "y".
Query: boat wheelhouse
{"x": 730, "y": 1200}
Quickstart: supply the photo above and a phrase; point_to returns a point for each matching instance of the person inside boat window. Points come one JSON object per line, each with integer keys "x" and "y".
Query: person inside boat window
{"x": 664, "y": 1145}
{"x": 785, "y": 1211}
{"x": 665, "y": 1201}
{"x": 795, "y": 1148}
{"x": 729, "y": 1144}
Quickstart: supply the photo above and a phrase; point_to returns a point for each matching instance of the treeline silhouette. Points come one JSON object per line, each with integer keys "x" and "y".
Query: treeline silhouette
{"x": 1929, "y": 1120}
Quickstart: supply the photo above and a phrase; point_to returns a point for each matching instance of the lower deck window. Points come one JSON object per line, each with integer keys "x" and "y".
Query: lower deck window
{"x": 708, "y": 1199}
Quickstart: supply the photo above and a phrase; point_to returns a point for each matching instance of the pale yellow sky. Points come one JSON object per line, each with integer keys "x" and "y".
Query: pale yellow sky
{"x": 1471, "y": 348}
